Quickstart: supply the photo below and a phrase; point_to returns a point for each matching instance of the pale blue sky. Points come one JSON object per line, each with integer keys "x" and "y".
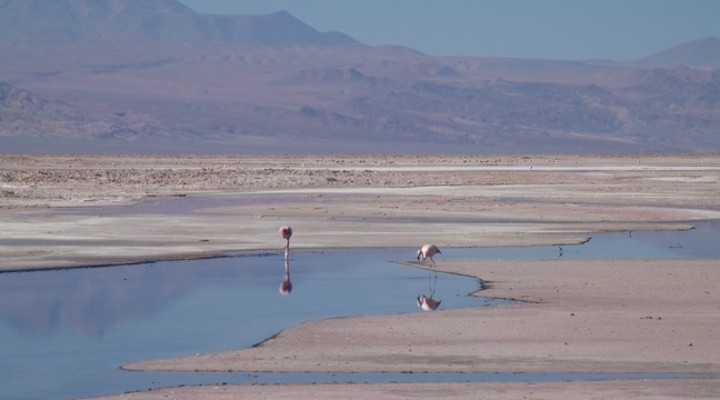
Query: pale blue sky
{"x": 553, "y": 29}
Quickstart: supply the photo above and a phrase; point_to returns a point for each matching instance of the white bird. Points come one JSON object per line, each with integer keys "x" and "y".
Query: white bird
{"x": 428, "y": 303}
{"x": 428, "y": 251}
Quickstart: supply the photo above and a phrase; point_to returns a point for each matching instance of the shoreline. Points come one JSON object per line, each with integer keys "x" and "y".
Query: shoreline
{"x": 570, "y": 240}
{"x": 336, "y": 345}
{"x": 638, "y": 389}
{"x": 341, "y": 345}
{"x": 585, "y": 315}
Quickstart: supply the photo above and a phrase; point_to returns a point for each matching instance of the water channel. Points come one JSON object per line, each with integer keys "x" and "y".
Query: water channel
{"x": 65, "y": 333}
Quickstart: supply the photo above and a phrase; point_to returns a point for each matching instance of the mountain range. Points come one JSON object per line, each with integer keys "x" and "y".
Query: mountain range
{"x": 154, "y": 71}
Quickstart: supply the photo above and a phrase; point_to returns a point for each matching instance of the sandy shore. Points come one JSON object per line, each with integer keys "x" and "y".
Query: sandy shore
{"x": 646, "y": 390}
{"x": 610, "y": 316}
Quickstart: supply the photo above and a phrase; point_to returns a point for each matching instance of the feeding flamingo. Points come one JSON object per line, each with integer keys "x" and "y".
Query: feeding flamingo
{"x": 428, "y": 251}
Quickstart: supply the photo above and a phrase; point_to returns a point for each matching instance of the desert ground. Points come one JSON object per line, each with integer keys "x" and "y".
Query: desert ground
{"x": 609, "y": 315}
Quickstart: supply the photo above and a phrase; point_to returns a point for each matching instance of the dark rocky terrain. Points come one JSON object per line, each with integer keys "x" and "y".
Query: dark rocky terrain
{"x": 151, "y": 73}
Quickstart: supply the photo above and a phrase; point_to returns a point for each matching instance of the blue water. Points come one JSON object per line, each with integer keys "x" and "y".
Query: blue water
{"x": 699, "y": 242}
{"x": 65, "y": 333}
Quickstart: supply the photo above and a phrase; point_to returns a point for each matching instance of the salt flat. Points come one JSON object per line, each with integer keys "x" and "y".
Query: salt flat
{"x": 70, "y": 211}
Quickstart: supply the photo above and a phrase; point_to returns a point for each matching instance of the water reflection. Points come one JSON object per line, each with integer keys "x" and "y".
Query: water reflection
{"x": 427, "y": 302}
{"x": 286, "y": 286}
{"x": 64, "y": 333}
{"x": 39, "y": 304}
{"x": 75, "y": 327}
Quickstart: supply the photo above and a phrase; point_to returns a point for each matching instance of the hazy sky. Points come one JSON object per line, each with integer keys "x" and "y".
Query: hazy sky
{"x": 554, "y": 29}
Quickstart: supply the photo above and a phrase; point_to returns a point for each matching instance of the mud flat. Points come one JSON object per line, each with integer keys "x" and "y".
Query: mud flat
{"x": 66, "y": 211}
{"x": 580, "y": 316}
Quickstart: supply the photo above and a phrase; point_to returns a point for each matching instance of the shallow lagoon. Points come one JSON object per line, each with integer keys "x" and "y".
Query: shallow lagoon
{"x": 64, "y": 334}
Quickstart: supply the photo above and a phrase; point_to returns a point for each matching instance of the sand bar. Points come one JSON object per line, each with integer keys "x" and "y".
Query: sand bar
{"x": 581, "y": 316}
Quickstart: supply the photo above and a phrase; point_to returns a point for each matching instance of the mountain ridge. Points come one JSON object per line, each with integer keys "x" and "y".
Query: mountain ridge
{"x": 81, "y": 20}
{"x": 273, "y": 77}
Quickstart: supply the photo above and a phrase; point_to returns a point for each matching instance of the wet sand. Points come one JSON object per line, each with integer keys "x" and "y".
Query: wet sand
{"x": 638, "y": 389}
{"x": 609, "y": 316}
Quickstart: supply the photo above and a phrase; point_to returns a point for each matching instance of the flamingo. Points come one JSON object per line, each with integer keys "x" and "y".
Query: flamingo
{"x": 286, "y": 233}
{"x": 428, "y": 251}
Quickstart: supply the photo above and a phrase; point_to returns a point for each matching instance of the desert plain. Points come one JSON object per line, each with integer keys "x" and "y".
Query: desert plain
{"x": 607, "y": 316}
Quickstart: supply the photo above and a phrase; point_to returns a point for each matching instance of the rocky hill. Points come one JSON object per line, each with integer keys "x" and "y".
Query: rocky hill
{"x": 155, "y": 70}
{"x": 31, "y": 115}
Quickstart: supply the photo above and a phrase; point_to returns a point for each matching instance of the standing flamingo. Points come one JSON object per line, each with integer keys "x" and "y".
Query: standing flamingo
{"x": 428, "y": 251}
{"x": 286, "y": 233}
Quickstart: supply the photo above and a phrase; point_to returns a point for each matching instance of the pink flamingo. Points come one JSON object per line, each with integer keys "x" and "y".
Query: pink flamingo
{"x": 286, "y": 233}
{"x": 428, "y": 251}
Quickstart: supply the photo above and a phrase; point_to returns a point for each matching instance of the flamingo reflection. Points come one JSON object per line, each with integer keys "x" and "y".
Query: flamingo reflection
{"x": 286, "y": 286}
{"x": 428, "y": 303}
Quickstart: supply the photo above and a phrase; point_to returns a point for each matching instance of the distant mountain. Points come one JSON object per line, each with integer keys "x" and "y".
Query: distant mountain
{"x": 33, "y": 115}
{"x": 703, "y": 53}
{"x": 149, "y": 20}
{"x": 140, "y": 71}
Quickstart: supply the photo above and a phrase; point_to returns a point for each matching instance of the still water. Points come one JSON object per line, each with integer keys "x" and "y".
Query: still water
{"x": 64, "y": 334}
